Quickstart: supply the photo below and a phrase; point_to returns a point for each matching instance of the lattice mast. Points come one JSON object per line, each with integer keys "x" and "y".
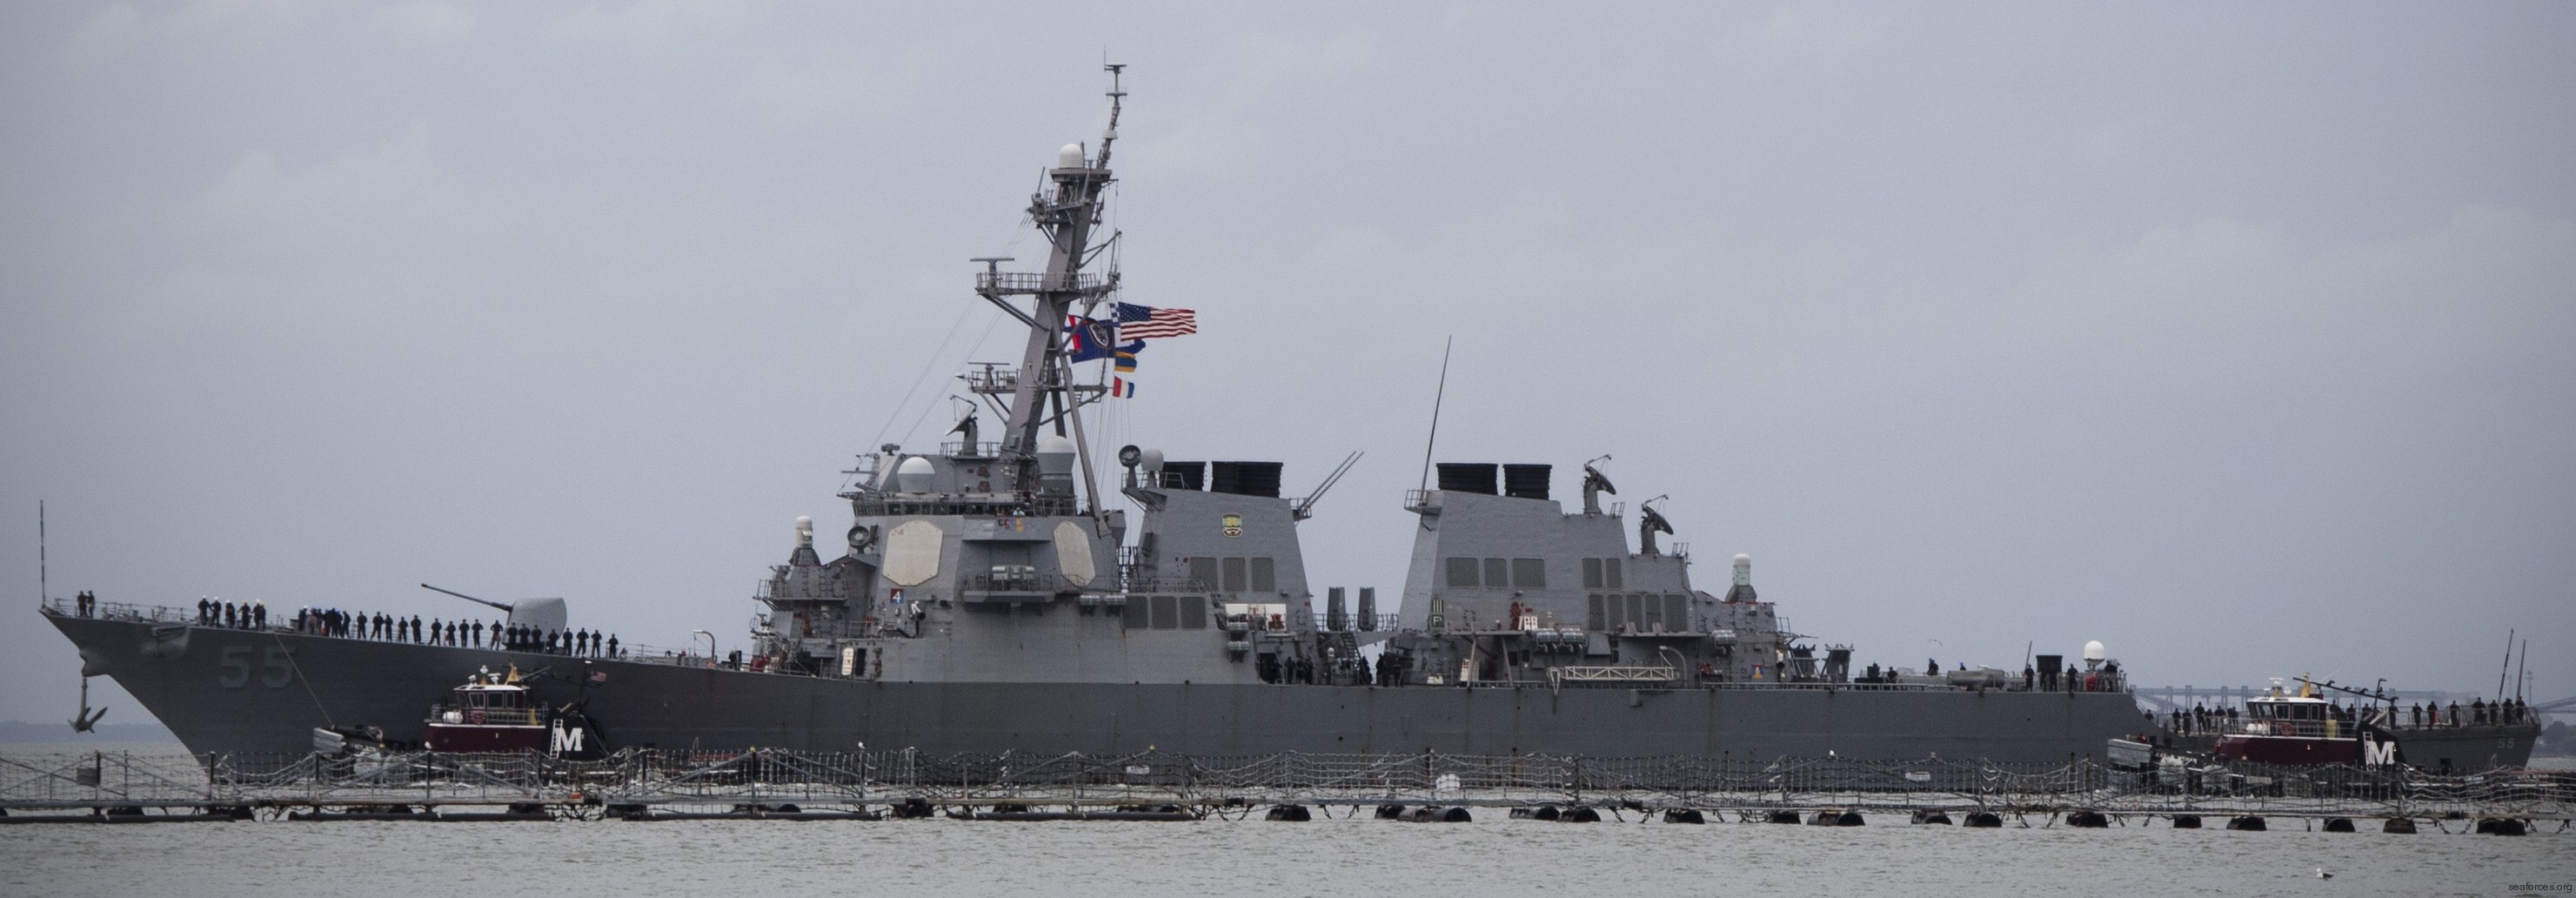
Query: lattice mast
{"x": 1043, "y": 394}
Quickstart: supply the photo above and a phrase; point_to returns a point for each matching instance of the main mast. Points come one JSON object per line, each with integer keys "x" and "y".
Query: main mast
{"x": 1043, "y": 393}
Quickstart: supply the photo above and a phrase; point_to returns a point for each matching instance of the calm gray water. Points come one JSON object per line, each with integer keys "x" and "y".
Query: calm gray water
{"x": 1355, "y": 856}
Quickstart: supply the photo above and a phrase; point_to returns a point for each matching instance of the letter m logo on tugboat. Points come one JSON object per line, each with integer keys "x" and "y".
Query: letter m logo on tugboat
{"x": 565, "y": 740}
{"x": 2378, "y": 752}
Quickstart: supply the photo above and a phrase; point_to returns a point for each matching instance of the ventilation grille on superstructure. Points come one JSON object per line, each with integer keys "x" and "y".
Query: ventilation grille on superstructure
{"x": 1463, "y": 477}
{"x": 1245, "y": 478}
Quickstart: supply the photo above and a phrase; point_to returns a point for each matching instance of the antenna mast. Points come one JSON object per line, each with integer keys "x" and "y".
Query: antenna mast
{"x": 1436, "y": 397}
{"x": 1066, "y": 214}
{"x": 2507, "y": 668}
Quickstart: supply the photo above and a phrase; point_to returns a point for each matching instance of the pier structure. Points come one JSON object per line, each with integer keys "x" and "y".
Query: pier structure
{"x": 125, "y": 787}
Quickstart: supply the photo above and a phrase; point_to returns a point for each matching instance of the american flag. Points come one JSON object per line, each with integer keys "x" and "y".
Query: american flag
{"x": 1146, "y": 322}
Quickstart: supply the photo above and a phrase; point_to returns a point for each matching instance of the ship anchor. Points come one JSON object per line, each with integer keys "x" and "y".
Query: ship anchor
{"x": 87, "y": 720}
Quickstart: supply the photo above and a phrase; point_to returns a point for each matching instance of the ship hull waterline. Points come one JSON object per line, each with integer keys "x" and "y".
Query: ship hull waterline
{"x": 238, "y": 691}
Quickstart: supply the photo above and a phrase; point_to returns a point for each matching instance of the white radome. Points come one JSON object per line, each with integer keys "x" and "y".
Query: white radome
{"x": 913, "y": 476}
{"x": 1069, "y": 157}
{"x": 2093, "y": 650}
{"x": 1741, "y": 558}
{"x": 1055, "y": 455}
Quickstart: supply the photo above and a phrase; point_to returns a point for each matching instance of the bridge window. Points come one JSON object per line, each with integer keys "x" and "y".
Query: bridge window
{"x": 1676, "y": 613}
{"x": 1599, "y": 619}
{"x": 1138, "y": 614}
{"x": 1529, "y": 573}
{"x": 1203, "y": 573}
{"x": 1265, "y": 575}
{"x": 1610, "y": 574}
{"x": 1194, "y": 614}
{"x": 1592, "y": 573}
{"x": 1498, "y": 573}
{"x": 1462, "y": 573}
{"x": 1167, "y": 615}
{"x": 1234, "y": 576}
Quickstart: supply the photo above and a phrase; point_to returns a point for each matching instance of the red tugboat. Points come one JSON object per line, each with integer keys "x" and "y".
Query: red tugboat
{"x": 2282, "y": 728}
{"x": 2373, "y": 731}
{"x": 495, "y": 713}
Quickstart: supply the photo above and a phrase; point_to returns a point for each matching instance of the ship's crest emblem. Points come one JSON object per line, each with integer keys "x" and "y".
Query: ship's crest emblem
{"x": 1233, "y": 525}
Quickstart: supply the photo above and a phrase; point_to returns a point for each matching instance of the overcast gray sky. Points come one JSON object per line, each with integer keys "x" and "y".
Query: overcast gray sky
{"x": 2239, "y": 337}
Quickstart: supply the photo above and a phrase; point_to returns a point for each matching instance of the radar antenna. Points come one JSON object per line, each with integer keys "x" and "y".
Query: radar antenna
{"x": 1594, "y": 484}
{"x": 965, "y": 431}
{"x": 1650, "y": 522}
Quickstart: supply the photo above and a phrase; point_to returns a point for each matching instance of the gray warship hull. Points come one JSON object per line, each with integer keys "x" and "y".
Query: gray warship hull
{"x": 988, "y": 599}
{"x": 238, "y": 691}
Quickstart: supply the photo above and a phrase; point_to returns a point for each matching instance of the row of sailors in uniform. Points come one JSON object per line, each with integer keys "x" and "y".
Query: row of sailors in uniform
{"x": 2480, "y": 712}
{"x": 237, "y": 615}
{"x": 470, "y": 634}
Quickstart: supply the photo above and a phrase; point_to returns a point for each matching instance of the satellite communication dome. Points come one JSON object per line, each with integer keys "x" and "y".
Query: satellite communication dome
{"x": 1055, "y": 455}
{"x": 1069, "y": 157}
{"x": 1741, "y": 558}
{"x": 2093, "y": 650}
{"x": 913, "y": 476}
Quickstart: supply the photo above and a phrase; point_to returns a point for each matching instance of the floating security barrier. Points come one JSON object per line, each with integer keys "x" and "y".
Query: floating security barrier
{"x": 2502, "y": 826}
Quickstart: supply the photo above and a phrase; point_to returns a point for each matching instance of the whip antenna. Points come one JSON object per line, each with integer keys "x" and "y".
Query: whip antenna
{"x": 1436, "y": 397}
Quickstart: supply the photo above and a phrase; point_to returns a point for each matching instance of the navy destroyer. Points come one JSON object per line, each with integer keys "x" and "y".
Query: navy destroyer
{"x": 1002, "y": 593}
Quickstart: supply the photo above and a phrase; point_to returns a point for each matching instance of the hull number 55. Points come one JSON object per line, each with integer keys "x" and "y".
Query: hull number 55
{"x": 274, "y": 670}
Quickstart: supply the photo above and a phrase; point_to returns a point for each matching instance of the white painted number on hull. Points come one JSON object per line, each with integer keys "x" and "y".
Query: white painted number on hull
{"x": 275, "y": 670}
